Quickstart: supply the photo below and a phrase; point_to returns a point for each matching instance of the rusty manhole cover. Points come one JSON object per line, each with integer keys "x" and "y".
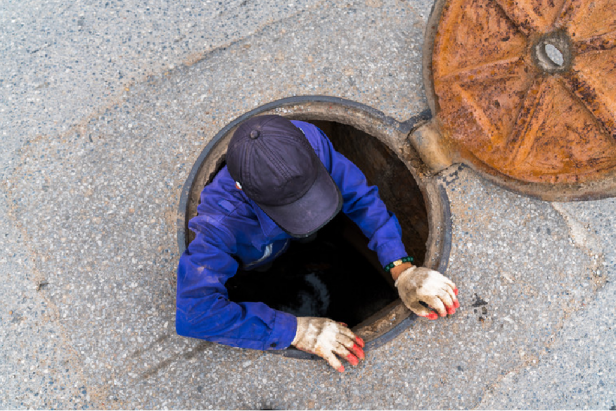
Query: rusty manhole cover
{"x": 526, "y": 90}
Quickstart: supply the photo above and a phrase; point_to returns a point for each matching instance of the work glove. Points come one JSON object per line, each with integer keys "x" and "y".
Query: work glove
{"x": 420, "y": 284}
{"x": 327, "y": 338}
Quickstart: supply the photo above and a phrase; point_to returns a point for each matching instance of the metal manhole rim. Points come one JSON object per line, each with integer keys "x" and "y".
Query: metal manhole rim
{"x": 438, "y": 246}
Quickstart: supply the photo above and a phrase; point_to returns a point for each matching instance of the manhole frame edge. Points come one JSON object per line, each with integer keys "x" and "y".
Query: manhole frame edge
{"x": 435, "y": 197}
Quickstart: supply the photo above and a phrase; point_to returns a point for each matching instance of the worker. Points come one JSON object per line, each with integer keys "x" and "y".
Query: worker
{"x": 282, "y": 181}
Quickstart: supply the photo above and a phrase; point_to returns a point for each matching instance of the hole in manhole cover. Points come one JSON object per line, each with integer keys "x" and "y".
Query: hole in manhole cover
{"x": 552, "y": 52}
{"x": 555, "y": 55}
{"x": 335, "y": 275}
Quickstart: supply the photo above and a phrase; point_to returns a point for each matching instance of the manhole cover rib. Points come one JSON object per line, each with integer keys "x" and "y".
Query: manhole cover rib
{"x": 528, "y": 88}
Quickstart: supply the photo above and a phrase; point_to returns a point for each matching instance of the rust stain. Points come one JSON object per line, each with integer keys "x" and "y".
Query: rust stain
{"x": 532, "y": 16}
{"x": 586, "y": 20}
{"x": 500, "y": 99}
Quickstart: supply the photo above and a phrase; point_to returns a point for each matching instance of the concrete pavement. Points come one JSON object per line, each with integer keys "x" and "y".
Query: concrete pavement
{"x": 104, "y": 108}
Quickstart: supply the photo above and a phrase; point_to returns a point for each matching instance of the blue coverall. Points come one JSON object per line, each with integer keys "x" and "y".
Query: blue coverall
{"x": 231, "y": 230}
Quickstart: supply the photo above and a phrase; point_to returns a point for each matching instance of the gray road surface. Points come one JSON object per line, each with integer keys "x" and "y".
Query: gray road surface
{"x": 104, "y": 107}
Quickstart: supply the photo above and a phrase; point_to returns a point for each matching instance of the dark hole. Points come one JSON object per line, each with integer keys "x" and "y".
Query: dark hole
{"x": 327, "y": 277}
{"x": 336, "y": 275}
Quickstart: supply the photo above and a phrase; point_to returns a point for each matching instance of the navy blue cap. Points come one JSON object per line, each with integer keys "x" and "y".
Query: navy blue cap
{"x": 274, "y": 164}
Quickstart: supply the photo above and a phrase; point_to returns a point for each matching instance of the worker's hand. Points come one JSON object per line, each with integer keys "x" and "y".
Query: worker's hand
{"x": 327, "y": 338}
{"x": 417, "y": 284}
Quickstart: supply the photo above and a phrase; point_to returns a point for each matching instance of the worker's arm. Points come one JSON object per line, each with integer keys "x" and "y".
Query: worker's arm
{"x": 364, "y": 206}
{"x": 203, "y": 308}
{"x": 362, "y": 203}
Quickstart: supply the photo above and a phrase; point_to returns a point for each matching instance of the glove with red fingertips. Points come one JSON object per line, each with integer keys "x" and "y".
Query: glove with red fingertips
{"x": 328, "y": 339}
{"x": 420, "y": 284}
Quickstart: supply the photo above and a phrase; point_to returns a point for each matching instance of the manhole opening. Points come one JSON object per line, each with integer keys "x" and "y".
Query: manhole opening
{"x": 336, "y": 275}
{"x": 419, "y": 202}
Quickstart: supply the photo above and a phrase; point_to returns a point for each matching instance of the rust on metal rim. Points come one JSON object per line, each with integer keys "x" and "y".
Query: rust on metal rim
{"x": 527, "y": 88}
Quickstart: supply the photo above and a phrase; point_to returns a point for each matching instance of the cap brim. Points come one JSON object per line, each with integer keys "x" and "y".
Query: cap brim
{"x": 311, "y": 212}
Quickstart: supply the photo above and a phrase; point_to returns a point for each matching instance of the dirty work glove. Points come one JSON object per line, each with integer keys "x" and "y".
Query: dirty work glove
{"x": 417, "y": 284}
{"x": 325, "y": 337}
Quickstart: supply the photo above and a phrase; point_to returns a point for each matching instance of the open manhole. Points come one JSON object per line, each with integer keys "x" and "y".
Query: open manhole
{"x": 336, "y": 275}
{"x": 523, "y": 92}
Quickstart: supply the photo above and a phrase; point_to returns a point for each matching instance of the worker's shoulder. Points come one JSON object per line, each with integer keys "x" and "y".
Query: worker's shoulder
{"x": 315, "y": 136}
{"x": 221, "y": 199}
{"x": 311, "y": 131}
